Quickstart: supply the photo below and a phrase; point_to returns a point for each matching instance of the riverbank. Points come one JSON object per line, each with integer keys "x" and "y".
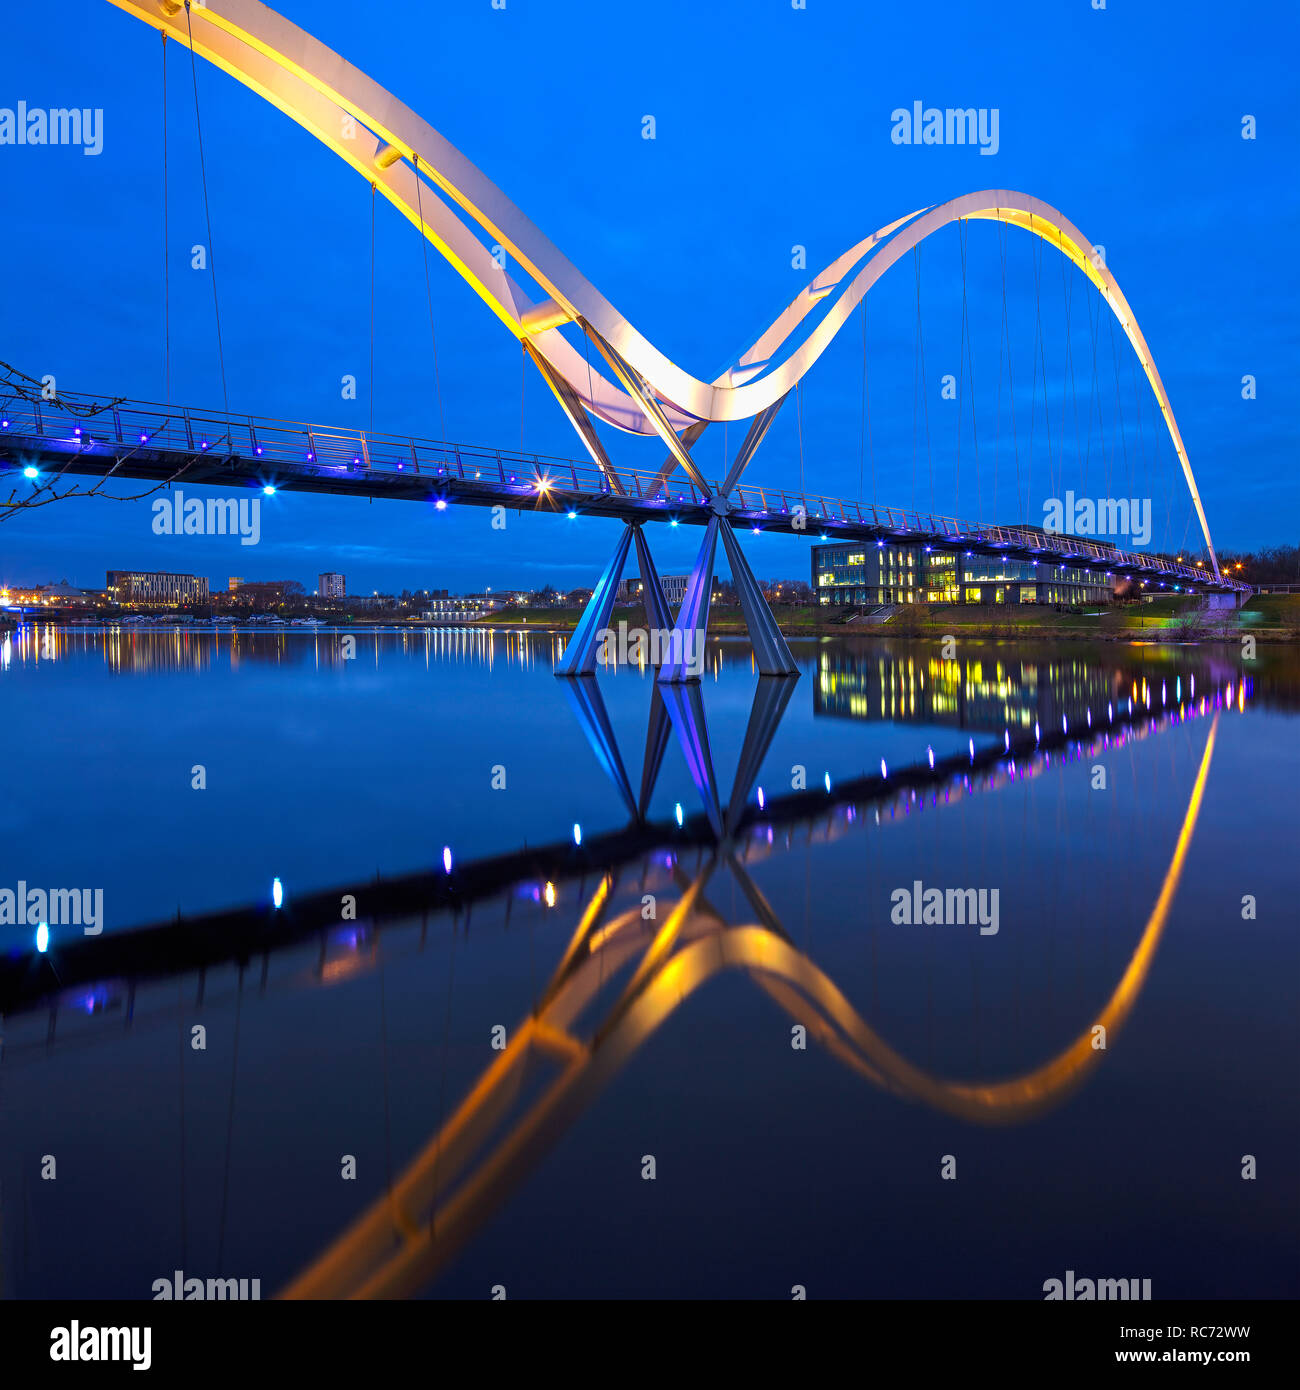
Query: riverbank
{"x": 1273, "y": 618}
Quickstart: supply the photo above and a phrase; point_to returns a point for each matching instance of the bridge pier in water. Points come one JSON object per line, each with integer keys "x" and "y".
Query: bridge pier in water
{"x": 685, "y": 636}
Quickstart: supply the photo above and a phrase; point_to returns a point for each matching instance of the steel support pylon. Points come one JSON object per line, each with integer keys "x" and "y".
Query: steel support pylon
{"x": 686, "y": 644}
{"x": 770, "y": 649}
{"x": 579, "y": 657}
{"x": 656, "y": 604}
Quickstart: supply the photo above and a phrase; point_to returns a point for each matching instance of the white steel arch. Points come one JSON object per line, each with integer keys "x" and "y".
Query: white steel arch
{"x": 339, "y": 104}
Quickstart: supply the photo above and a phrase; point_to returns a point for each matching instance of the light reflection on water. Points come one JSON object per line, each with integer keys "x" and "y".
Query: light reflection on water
{"x": 324, "y": 771}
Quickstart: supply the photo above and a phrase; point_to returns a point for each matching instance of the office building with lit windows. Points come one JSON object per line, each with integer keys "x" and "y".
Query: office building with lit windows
{"x": 155, "y": 589}
{"x": 873, "y": 573}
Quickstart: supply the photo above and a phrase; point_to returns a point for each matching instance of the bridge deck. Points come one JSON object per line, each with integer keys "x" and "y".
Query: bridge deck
{"x": 141, "y": 441}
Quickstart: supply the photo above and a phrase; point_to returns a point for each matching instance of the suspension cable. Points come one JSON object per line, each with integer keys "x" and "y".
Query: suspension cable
{"x": 925, "y": 397}
{"x": 207, "y": 213}
{"x": 963, "y": 237}
{"x": 372, "y": 312}
{"x": 428, "y": 294}
{"x": 1021, "y": 506}
{"x": 167, "y": 283}
{"x": 1040, "y": 357}
{"x": 1067, "y": 295}
{"x": 1119, "y": 410}
{"x": 866, "y": 415}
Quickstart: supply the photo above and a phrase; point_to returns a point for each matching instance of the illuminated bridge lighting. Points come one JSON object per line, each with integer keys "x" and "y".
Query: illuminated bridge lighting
{"x": 43, "y": 938}
{"x": 277, "y": 893}
{"x": 446, "y": 859}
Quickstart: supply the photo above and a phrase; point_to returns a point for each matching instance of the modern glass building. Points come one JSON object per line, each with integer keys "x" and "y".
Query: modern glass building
{"x": 870, "y": 573}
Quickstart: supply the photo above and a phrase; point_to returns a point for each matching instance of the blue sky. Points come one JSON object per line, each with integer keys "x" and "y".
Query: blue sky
{"x": 772, "y": 130}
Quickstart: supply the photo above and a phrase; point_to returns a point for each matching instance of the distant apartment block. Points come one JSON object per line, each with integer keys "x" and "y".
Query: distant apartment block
{"x": 154, "y": 588}
{"x": 233, "y": 583}
{"x": 332, "y": 585}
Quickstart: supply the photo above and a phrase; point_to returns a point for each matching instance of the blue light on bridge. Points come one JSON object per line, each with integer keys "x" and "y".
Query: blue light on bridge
{"x": 760, "y": 798}
{"x": 572, "y": 516}
{"x": 446, "y": 859}
{"x": 441, "y": 504}
{"x": 43, "y": 938}
{"x": 29, "y": 472}
{"x": 827, "y": 780}
{"x": 577, "y": 833}
{"x": 277, "y": 894}
{"x": 678, "y": 813}
{"x": 269, "y": 490}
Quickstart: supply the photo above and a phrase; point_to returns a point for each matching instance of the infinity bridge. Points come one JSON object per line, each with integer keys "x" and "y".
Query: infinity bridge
{"x": 467, "y": 219}
{"x": 80, "y": 434}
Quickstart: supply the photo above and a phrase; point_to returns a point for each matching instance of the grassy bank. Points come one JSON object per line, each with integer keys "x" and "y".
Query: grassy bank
{"x": 1274, "y": 617}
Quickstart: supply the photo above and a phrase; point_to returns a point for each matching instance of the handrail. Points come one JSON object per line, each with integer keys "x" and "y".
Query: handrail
{"x": 323, "y": 449}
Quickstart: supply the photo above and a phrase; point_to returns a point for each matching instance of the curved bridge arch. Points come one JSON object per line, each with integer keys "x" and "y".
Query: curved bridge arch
{"x": 323, "y": 93}
{"x": 404, "y": 1238}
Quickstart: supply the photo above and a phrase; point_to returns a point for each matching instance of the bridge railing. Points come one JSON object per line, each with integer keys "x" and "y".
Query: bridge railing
{"x": 82, "y": 423}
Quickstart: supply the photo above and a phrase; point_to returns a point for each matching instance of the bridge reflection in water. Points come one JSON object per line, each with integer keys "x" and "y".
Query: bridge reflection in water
{"x": 621, "y": 975}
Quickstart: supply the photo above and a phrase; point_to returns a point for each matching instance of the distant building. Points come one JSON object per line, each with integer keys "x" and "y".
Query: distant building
{"x": 872, "y": 574}
{"x": 332, "y": 585}
{"x": 154, "y": 588}
{"x": 269, "y": 590}
{"x": 233, "y": 583}
{"x": 674, "y": 586}
{"x": 439, "y": 608}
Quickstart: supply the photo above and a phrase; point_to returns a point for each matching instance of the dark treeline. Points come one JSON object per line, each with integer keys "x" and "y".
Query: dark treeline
{"x": 1277, "y": 564}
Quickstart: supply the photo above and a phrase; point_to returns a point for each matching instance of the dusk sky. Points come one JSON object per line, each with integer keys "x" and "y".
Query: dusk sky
{"x": 769, "y": 134}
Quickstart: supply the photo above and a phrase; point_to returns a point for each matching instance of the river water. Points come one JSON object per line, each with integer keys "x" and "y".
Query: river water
{"x": 669, "y": 974}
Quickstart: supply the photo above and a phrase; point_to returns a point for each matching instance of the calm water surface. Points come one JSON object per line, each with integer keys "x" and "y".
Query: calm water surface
{"x": 1122, "y": 801}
